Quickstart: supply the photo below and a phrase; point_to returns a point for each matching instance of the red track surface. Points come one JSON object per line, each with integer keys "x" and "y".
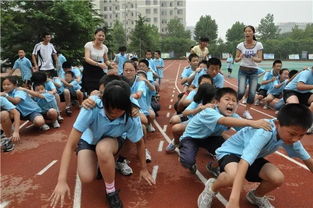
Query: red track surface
{"x": 176, "y": 186}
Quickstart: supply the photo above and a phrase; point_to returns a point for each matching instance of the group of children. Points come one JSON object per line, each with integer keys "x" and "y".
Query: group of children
{"x": 213, "y": 109}
{"x": 121, "y": 109}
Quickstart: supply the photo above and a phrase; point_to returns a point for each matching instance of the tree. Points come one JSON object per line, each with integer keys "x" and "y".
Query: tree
{"x": 176, "y": 29}
{"x": 118, "y": 36}
{"x": 206, "y": 27}
{"x": 144, "y": 37}
{"x": 235, "y": 33}
{"x": 71, "y": 24}
{"x": 267, "y": 28}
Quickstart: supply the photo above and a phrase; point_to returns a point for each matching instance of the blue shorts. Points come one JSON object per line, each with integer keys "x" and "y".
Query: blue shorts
{"x": 31, "y": 117}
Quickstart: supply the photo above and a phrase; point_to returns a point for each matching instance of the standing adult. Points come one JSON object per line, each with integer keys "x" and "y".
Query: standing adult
{"x": 96, "y": 61}
{"x": 249, "y": 53}
{"x": 201, "y": 49}
{"x": 42, "y": 55}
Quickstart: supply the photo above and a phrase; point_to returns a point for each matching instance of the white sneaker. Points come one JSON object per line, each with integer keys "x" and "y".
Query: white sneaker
{"x": 56, "y": 124}
{"x": 150, "y": 128}
{"x": 265, "y": 107}
{"x": 60, "y": 118}
{"x": 247, "y": 115}
{"x": 257, "y": 102}
{"x": 148, "y": 156}
{"x": 310, "y": 130}
{"x": 244, "y": 100}
{"x": 206, "y": 197}
{"x": 45, "y": 127}
{"x": 261, "y": 202}
{"x": 124, "y": 168}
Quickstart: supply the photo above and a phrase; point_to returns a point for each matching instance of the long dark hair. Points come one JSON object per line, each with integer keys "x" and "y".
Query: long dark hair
{"x": 205, "y": 94}
{"x": 252, "y": 28}
{"x": 116, "y": 96}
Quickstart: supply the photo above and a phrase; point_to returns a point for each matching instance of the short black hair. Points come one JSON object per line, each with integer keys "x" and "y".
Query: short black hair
{"x": 148, "y": 51}
{"x": 122, "y": 49}
{"x": 214, "y": 61}
{"x": 158, "y": 52}
{"x": 204, "y": 62}
{"x": 71, "y": 73}
{"x": 66, "y": 65}
{"x": 295, "y": 114}
{"x": 277, "y": 62}
{"x": 225, "y": 90}
{"x": 134, "y": 59}
{"x": 192, "y": 55}
{"x": 205, "y": 76}
{"x": 39, "y": 77}
{"x": 145, "y": 61}
{"x": 130, "y": 62}
{"x": 204, "y": 39}
{"x": 205, "y": 94}
{"x": 38, "y": 84}
{"x": 100, "y": 30}
{"x": 117, "y": 96}
{"x": 105, "y": 79}
{"x": 292, "y": 73}
{"x": 282, "y": 70}
{"x": 44, "y": 34}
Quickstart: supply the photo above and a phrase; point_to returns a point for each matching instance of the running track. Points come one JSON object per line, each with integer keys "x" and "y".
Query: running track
{"x": 29, "y": 173}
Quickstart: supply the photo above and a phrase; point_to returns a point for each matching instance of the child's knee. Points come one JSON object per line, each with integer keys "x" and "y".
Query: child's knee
{"x": 187, "y": 161}
{"x": 39, "y": 121}
{"x": 87, "y": 177}
{"x": 4, "y": 115}
{"x": 277, "y": 178}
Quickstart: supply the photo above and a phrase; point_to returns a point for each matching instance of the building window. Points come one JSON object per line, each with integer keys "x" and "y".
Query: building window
{"x": 105, "y": 9}
{"x": 148, "y": 19}
{"x": 116, "y": 16}
{"x": 155, "y": 2}
{"x": 179, "y": 3}
{"x": 116, "y": 7}
{"x": 155, "y": 19}
{"x": 110, "y": 8}
{"x": 180, "y": 11}
{"x": 148, "y": 11}
{"x": 105, "y": 16}
{"x": 148, "y": 2}
{"x": 171, "y": 12}
{"x": 155, "y": 11}
{"x": 171, "y": 4}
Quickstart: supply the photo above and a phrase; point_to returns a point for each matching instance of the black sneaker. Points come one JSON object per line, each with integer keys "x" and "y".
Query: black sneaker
{"x": 6, "y": 145}
{"x": 114, "y": 200}
{"x": 215, "y": 171}
{"x": 68, "y": 111}
{"x": 193, "y": 169}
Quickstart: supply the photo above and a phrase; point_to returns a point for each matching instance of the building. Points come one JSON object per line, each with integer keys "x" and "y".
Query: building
{"x": 157, "y": 12}
{"x": 287, "y": 26}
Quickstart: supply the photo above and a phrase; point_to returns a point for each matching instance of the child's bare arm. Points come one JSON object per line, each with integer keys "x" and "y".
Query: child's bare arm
{"x": 238, "y": 122}
{"x": 309, "y": 164}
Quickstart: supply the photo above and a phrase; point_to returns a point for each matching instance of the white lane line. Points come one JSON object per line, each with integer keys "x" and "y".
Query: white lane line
{"x": 46, "y": 168}
{"x": 198, "y": 173}
{"x": 168, "y": 66}
{"x": 168, "y": 115}
{"x": 29, "y": 126}
{"x": 155, "y": 172}
{"x": 292, "y": 160}
{"x": 77, "y": 193}
{"x": 164, "y": 128}
{"x": 171, "y": 100}
{"x": 4, "y": 204}
{"x": 21, "y": 126}
{"x": 170, "y": 107}
{"x": 279, "y": 153}
{"x": 160, "y": 148}
{"x": 173, "y": 95}
{"x": 173, "y": 91}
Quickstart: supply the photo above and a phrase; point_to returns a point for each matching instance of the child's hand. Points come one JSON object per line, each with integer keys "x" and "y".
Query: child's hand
{"x": 198, "y": 69}
{"x": 15, "y": 137}
{"x": 88, "y": 103}
{"x": 3, "y": 94}
{"x": 261, "y": 124}
{"x": 59, "y": 193}
{"x": 95, "y": 92}
{"x": 144, "y": 173}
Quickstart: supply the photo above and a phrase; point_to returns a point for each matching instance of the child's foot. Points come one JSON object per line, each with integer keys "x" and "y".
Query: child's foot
{"x": 60, "y": 119}
{"x": 45, "y": 127}
{"x": 265, "y": 107}
{"x": 124, "y": 168}
{"x": 206, "y": 197}
{"x": 171, "y": 147}
{"x": 114, "y": 200}
{"x": 148, "y": 156}
{"x": 68, "y": 111}
{"x": 257, "y": 102}
{"x": 56, "y": 124}
{"x": 247, "y": 115}
{"x": 150, "y": 128}
{"x": 6, "y": 145}
{"x": 244, "y": 100}
{"x": 259, "y": 201}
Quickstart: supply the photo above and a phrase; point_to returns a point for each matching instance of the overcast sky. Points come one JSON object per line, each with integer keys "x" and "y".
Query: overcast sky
{"x": 227, "y": 12}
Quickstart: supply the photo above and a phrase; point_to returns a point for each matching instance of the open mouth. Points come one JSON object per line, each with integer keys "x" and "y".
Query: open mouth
{"x": 229, "y": 109}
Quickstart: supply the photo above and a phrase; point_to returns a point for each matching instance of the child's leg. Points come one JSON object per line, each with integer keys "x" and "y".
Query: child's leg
{"x": 57, "y": 98}
{"x": 37, "y": 120}
{"x": 272, "y": 178}
{"x": 178, "y": 130}
{"x": 175, "y": 119}
{"x": 188, "y": 151}
{"x": 87, "y": 165}
{"x": 6, "y": 123}
{"x": 67, "y": 97}
{"x": 52, "y": 114}
{"x": 268, "y": 99}
{"x": 310, "y": 102}
{"x": 143, "y": 119}
{"x": 105, "y": 150}
{"x": 225, "y": 178}
{"x": 80, "y": 96}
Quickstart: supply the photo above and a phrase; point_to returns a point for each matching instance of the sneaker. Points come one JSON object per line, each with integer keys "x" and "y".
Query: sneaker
{"x": 60, "y": 118}
{"x": 56, "y": 124}
{"x": 193, "y": 169}
{"x": 215, "y": 171}
{"x": 150, "y": 128}
{"x": 244, "y": 100}
{"x": 206, "y": 197}
{"x": 247, "y": 115}
{"x": 44, "y": 127}
{"x": 310, "y": 130}
{"x": 68, "y": 111}
{"x": 148, "y": 156}
{"x": 6, "y": 145}
{"x": 124, "y": 168}
{"x": 257, "y": 102}
{"x": 2, "y": 134}
{"x": 265, "y": 107}
{"x": 261, "y": 202}
{"x": 114, "y": 200}
{"x": 171, "y": 147}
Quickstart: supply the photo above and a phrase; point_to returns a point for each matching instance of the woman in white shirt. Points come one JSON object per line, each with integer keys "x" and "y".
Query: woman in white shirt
{"x": 96, "y": 62}
{"x": 249, "y": 53}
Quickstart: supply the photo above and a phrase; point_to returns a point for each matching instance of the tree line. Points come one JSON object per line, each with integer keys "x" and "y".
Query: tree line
{"x": 72, "y": 24}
